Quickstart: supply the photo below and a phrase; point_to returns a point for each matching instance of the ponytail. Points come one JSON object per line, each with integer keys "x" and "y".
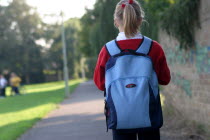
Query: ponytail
{"x": 130, "y": 21}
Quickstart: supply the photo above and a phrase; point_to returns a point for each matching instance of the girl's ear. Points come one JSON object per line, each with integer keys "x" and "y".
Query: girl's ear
{"x": 140, "y": 21}
{"x": 116, "y": 24}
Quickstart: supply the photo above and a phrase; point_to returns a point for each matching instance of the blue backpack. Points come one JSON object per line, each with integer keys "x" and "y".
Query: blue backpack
{"x": 132, "y": 92}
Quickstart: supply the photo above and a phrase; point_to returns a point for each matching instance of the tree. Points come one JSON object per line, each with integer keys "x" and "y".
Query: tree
{"x": 97, "y": 29}
{"x": 54, "y": 54}
{"x": 19, "y": 52}
{"x": 153, "y": 11}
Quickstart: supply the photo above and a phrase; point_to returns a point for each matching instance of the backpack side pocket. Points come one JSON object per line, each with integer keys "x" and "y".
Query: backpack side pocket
{"x": 106, "y": 113}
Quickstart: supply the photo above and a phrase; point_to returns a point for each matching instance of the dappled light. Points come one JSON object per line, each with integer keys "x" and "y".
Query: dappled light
{"x": 46, "y": 87}
{"x": 162, "y": 99}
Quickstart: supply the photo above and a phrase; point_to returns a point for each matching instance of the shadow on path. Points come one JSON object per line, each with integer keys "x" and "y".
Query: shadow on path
{"x": 69, "y": 127}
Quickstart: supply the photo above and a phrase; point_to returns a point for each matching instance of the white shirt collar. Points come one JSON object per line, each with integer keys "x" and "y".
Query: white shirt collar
{"x": 121, "y": 36}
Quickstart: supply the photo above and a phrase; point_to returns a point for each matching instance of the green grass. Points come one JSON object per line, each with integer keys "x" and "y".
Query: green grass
{"x": 18, "y": 113}
{"x": 36, "y": 88}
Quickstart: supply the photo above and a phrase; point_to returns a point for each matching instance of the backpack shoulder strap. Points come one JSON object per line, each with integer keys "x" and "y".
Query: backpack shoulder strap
{"x": 145, "y": 46}
{"x": 112, "y": 48}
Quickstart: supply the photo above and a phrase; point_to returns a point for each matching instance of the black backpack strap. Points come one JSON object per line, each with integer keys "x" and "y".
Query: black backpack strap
{"x": 145, "y": 45}
{"x": 106, "y": 113}
{"x": 104, "y": 92}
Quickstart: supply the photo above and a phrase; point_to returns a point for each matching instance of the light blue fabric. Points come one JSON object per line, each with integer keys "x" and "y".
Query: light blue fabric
{"x": 131, "y": 104}
{"x": 112, "y": 48}
{"x": 145, "y": 46}
{"x": 139, "y": 66}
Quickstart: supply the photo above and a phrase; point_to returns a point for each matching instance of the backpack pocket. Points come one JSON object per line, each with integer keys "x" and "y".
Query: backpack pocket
{"x": 130, "y": 98}
{"x": 110, "y": 114}
{"x": 155, "y": 109}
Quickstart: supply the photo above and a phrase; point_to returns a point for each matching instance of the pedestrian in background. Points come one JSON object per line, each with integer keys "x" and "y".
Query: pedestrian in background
{"x": 15, "y": 83}
{"x": 3, "y": 85}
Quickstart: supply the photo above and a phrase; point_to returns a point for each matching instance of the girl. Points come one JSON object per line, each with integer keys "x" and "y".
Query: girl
{"x": 128, "y": 17}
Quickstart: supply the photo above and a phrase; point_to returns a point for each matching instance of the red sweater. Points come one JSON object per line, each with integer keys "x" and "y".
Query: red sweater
{"x": 156, "y": 53}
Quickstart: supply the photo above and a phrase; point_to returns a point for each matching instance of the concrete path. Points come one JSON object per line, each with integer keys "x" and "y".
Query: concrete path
{"x": 79, "y": 117}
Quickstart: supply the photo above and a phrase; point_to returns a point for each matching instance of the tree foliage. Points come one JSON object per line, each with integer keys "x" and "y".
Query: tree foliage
{"x": 19, "y": 30}
{"x": 153, "y": 11}
{"x": 180, "y": 20}
{"x": 54, "y": 55}
{"x": 97, "y": 27}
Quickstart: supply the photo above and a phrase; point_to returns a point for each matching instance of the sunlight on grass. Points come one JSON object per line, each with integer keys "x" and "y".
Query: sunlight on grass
{"x": 26, "y": 114}
{"x": 35, "y": 88}
{"x": 19, "y": 113}
{"x": 162, "y": 99}
{"x": 49, "y": 87}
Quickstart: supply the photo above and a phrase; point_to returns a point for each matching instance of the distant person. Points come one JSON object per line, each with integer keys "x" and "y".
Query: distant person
{"x": 130, "y": 69}
{"x": 15, "y": 83}
{"x": 3, "y": 85}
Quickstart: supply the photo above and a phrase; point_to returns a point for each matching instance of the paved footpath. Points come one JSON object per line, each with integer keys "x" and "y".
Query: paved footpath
{"x": 79, "y": 117}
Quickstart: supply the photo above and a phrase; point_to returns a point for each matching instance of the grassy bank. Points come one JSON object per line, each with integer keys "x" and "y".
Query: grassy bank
{"x": 18, "y": 113}
{"x": 180, "y": 127}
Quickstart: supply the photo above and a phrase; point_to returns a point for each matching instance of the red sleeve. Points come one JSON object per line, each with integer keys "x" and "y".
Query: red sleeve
{"x": 99, "y": 73}
{"x": 160, "y": 64}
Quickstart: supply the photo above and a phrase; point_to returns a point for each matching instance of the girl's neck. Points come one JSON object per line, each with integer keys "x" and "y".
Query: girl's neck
{"x": 121, "y": 29}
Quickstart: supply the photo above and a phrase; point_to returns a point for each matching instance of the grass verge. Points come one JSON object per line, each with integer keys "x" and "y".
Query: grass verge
{"x": 19, "y": 113}
{"x": 178, "y": 126}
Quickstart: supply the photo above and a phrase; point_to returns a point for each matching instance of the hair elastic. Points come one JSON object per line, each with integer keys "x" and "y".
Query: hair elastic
{"x": 123, "y": 5}
{"x": 130, "y": 2}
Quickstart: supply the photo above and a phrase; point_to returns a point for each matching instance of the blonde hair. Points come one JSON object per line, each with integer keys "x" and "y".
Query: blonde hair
{"x": 130, "y": 15}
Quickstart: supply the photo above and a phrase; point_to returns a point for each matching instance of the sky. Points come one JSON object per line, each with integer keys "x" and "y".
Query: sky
{"x": 70, "y": 8}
